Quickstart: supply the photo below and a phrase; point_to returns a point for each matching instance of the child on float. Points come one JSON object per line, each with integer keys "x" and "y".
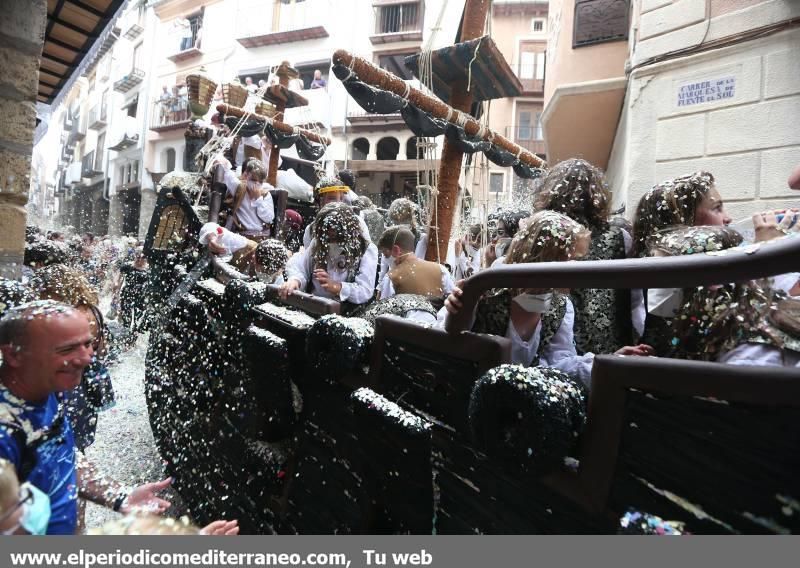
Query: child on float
{"x": 270, "y": 258}
{"x": 690, "y": 200}
{"x": 408, "y": 274}
{"x": 683, "y": 201}
{"x": 505, "y": 229}
{"x": 605, "y": 319}
{"x": 340, "y": 262}
{"x": 252, "y": 209}
{"x": 538, "y": 322}
{"x": 403, "y": 212}
{"x": 227, "y": 246}
{"x": 465, "y": 259}
{"x": 745, "y": 323}
{"x": 329, "y": 190}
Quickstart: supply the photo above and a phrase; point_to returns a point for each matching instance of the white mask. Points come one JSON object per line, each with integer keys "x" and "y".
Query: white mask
{"x": 502, "y": 246}
{"x": 534, "y": 303}
{"x": 267, "y": 278}
{"x": 335, "y": 251}
{"x": 664, "y": 302}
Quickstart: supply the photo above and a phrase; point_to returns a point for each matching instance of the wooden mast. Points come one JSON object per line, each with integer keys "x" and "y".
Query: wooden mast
{"x": 472, "y": 26}
{"x": 283, "y": 73}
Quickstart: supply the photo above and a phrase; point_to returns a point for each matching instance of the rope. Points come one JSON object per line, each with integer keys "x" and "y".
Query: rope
{"x": 407, "y": 91}
{"x": 474, "y": 57}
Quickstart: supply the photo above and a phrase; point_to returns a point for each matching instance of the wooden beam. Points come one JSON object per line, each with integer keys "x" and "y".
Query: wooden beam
{"x": 381, "y": 79}
{"x": 85, "y": 7}
{"x": 73, "y": 27}
{"x": 282, "y": 126}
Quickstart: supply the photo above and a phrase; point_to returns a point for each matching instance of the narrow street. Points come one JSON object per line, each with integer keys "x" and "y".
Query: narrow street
{"x": 124, "y": 447}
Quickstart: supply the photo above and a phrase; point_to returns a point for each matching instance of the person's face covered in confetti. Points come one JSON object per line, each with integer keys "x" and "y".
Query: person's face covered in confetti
{"x": 711, "y": 210}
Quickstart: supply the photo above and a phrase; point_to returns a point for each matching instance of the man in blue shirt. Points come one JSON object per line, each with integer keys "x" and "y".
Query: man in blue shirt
{"x": 45, "y": 347}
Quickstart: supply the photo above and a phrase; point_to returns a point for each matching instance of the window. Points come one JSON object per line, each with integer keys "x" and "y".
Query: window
{"x": 137, "y": 56}
{"x": 360, "y": 149}
{"x": 527, "y": 65}
{"x": 395, "y": 63}
{"x": 496, "y": 182}
{"x": 307, "y": 71}
{"x": 104, "y": 105}
{"x": 532, "y": 59}
{"x": 538, "y": 133}
{"x": 539, "y": 72}
{"x": 101, "y": 141}
{"x": 398, "y": 18}
{"x": 537, "y": 25}
{"x": 190, "y": 31}
{"x": 295, "y": 15}
{"x": 132, "y": 106}
{"x": 388, "y": 148}
{"x": 524, "y": 129}
{"x": 135, "y": 172}
{"x": 170, "y": 160}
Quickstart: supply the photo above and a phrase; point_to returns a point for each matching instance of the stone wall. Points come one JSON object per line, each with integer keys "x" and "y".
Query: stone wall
{"x": 730, "y": 111}
{"x": 22, "y": 30}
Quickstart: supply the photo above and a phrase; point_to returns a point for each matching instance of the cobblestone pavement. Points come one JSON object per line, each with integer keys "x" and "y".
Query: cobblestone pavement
{"x": 124, "y": 448}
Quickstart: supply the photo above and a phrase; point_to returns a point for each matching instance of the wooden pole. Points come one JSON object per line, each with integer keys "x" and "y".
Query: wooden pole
{"x": 377, "y": 77}
{"x": 282, "y": 126}
{"x": 472, "y": 27}
{"x": 280, "y": 107}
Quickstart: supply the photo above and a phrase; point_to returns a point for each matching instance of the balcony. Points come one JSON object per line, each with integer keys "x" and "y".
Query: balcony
{"x": 299, "y": 21}
{"x": 397, "y": 21}
{"x": 91, "y": 167}
{"x": 133, "y": 24}
{"x": 362, "y": 118}
{"x": 529, "y": 137}
{"x": 315, "y": 114}
{"x": 169, "y": 114}
{"x": 126, "y": 136}
{"x": 129, "y": 81}
{"x": 108, "y": 41}
{"x": 67, "y": 152}
{"x": 98, "y": 117}
{"x": 188, "y": 45}
{"x": 79, "y": 129}
{"x": 531, "y": 78}
{"x": 73, "y": 173}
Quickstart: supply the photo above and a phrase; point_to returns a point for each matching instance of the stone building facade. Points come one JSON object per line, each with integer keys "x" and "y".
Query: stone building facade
{"x": 22, "y": 30}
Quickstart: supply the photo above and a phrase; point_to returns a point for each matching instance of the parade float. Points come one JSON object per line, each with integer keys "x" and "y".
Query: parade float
{"x": 292, "y": 418}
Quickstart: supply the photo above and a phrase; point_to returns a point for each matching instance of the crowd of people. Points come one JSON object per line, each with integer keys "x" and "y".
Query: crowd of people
{"x": 58, "y": 352}
{"x": 355, "y": 253}
{"x": 58, "y": 345}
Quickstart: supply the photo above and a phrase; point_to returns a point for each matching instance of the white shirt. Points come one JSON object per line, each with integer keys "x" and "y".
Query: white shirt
{"x": 301, "y": 268}
{"x": 760, "y": 355}
{"x": 560, "y": 352}
{"x": 386, "y": 286}
{"x": 252, "y": 213}
{"x": 225, "y": 238}
{"x": 308, "y": 237}
{"x": 465, "y": 264}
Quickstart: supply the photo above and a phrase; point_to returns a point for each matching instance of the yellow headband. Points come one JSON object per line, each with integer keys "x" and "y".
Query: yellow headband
{"x": 332, "y": 188}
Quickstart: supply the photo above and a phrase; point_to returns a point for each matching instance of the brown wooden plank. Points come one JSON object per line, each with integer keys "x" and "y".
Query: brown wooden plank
{"x": 71, "y": 37}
